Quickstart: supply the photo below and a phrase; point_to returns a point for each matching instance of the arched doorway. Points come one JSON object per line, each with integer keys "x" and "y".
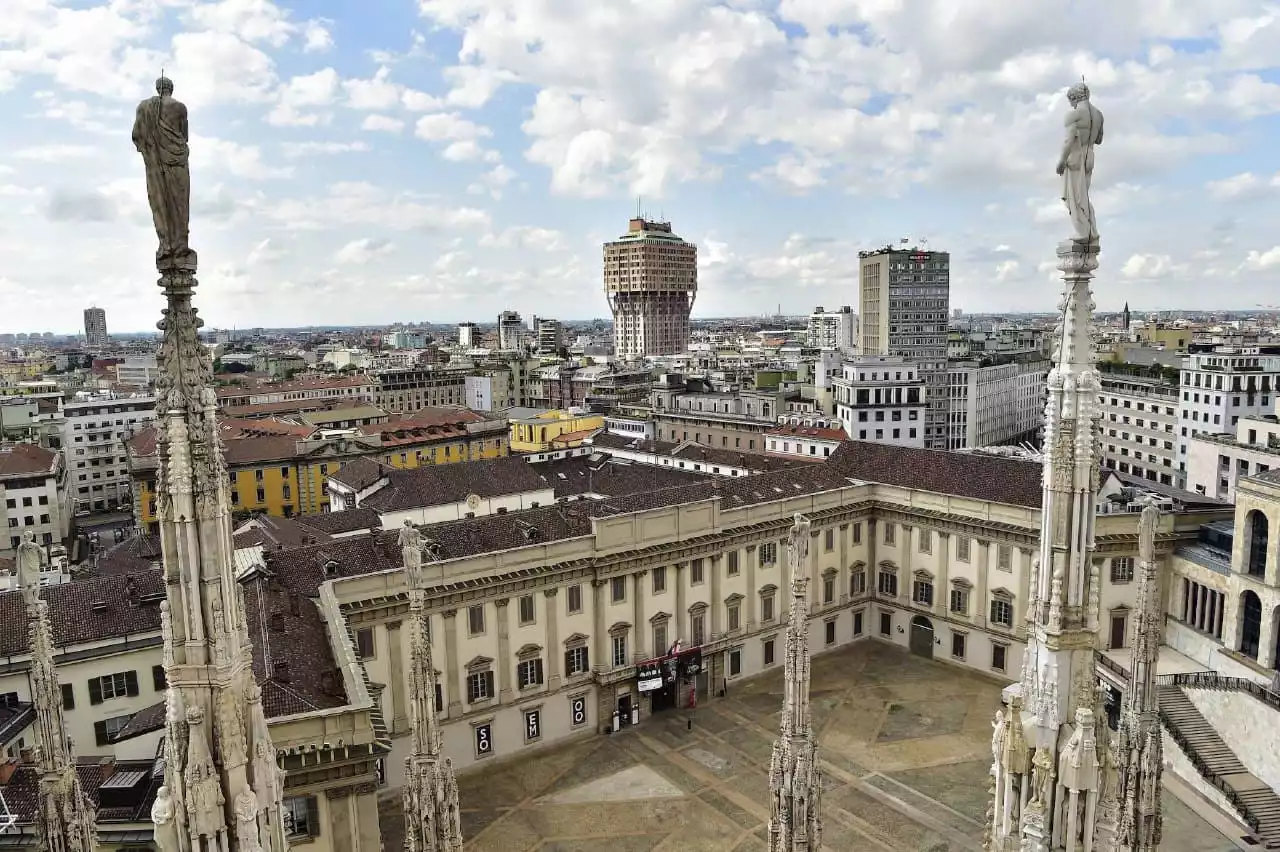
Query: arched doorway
{"x": 922, "y": 637}
{"x": 1250, "y": 624}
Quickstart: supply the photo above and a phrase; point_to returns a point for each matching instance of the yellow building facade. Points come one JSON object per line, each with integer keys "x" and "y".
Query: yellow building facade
{"x": 536, "y": 434}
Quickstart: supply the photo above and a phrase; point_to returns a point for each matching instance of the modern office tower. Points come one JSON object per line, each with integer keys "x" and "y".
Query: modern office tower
{"x": 95, "y": 327}
{"x": 904, "y": 305}
{"x": 550, "y": 336}
{"x": 651, "y": 280}
{"x": 468, "y": 335}
{"x": 510, "y": 330}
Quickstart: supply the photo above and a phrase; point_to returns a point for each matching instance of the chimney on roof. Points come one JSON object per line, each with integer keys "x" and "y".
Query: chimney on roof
{"x": 26, "y": 755}
{"x": 107, "y": 766}
{"x": 131, "y": 591}
{"x": 7, "y": 768}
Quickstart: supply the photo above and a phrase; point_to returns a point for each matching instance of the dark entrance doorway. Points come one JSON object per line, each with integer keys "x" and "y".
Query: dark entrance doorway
{"x": 922, "y": 637}
{"x": 662, "y": 698}
{"x": 1119, "y": 629}
{"x": 624, "y": 711}
{"x": 1250, "y": 624}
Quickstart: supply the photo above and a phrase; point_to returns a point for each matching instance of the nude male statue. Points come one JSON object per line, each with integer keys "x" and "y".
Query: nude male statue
{"x": 1084, "y": 132}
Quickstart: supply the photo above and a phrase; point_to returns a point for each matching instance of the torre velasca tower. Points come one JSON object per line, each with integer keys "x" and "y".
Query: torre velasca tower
{"x": 651, "y": 280}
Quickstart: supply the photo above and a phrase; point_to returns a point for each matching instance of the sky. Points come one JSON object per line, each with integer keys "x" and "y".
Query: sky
{"x": 444, "y": 160}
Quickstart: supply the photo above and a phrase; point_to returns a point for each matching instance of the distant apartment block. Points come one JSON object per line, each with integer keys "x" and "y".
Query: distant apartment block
{"x": 881, "y": 398}
{"x": 904, "y": 305}
{"x": 32, "y": 497}
{"x": 833, "y": 329}
{"x": 996, "y": 401}
{"x": 550, "y": 336}
{"x": 95, "y": 328}
{"x": 1216, "y": 463}
{"x": 468, "y": 335}
{"x": 1221, "y": 386}
{"x": 510, "y": 331}
{"x": 1139, "y": 427}
{"x": 93, "y": 436}
{"x": 651, "y": 281}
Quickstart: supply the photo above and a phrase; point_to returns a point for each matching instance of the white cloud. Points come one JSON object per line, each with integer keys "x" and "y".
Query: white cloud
{"x": 492, "y": 182}
{"x": 56, "y": 153}
{"x": 1243, "y": 186}
{"x": 243, "y": 161}
{"x": 1147, "y": 266}
{"x": 251, "y": 20}
{"x": 316, "y": 37}
{"x": 375, "y": 93}
{"x": 1257, "y": 261}
{"x": 382, "y": 123}
{"x": 293, "y": 150}
{"x": 526, "y": 237}
{"x": 448, "y": 126}
{"x": 350, "y": 204}
{"x": 302, "y": 93}
{"x": 362, "y": 251}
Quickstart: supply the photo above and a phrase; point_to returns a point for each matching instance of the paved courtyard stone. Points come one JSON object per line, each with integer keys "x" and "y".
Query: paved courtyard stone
{"x": 905, "y": 744}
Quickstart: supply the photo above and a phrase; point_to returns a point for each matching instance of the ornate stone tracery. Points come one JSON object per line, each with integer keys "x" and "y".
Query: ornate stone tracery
{"x": 795, "y": 781}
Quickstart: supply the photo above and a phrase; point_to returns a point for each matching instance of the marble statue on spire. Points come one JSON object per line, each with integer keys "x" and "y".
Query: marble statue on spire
{"x": 160, "y": 135}
{"x": 1075, "y": 165}
{"x": 65, "y": 818}
{"x": 795, "y": 780}
{"x": 222, "y": 785}
{"x": 432, "y": 819}
{"x": 1054, "y": 777}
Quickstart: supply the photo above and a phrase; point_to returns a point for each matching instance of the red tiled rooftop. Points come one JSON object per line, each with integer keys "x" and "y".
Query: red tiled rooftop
{"x": 26, "y": 460}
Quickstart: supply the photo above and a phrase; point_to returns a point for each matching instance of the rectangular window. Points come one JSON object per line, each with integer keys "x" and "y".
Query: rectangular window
{"x": 1122, "y": 569}
{"x": 858, "y": 583}
{"x": 830, "y": 628}
{"x": 699, "y": 622}
{"x": 768, "y": 652}
{"x": 857, "y": 623}
{"x": 890, "y": 533}
{"x": 475, "y": 619}
{"x": 735, "y": 663}
{"x": 828, "y": 589}
{"x": 962, "y": 548}
{"x": 957, "y": 645}
{"x": 301, "y": 817}
{"x": 111, "y": 686}
{"x": 922, "y": 592}
{"x": 829, "y": 539}
{"x": 573, "y": 599}
{"x": 886, "y": 624}
{"x": 105, "y": 730}
{"x": 695, "y": 572}
{"x": 766, "y": 608}
{"x": 364, "y": 643}
{"x": 887, "y": 584}
{"x": 925, "y": 544}
{"x": 735, "y": 617}
{"x": 619, "y": 651}
{"x": 529, "y": 673}
{"x": 68, "y": 697}
{"x": 526, "y": 609}
{"x": 1002, "y": 612}
{"x": 857, "y": 533}
{"x": 479, "y": 686}
{"x": 618, "y": 589}
{"x": 768, "y": 553}
{"x": 960, "y": 601}
{"x": 1004, "y": 558}
{"x": 998, "y": 655}
{"x": 660, "y": 638}
{"x": 158, "y": 678}
{"x": 576, "y": 661}
{"x": 659, "y": 580}
{"x": 731, "y": 560}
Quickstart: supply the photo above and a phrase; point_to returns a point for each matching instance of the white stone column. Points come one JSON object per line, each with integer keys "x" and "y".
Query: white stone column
{"x": 753, "y": 591}
{"x": 454, "y": 687}
{"x": 942, "y": 584}
{"x": 1267, "y": 638}
{"x": 1024, "y": 590}
{"x": 504, "y": 649}
{"x": 553, "y": 637}
{"x": 600, "y": 641}
{"x": 842, "y": 554}
{"x": 715, "y": 565}
{"x": 396, "y": 678}
{"x": 642, "y": 632}
{"x": 679, "y": 618}
{"x": 980, "y": 591}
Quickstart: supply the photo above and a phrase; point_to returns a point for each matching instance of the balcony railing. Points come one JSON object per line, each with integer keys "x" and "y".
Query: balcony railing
{"x": 1212, "y": 680}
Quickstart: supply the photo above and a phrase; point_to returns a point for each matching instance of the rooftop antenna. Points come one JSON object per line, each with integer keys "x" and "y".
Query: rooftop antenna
{"x": 639, "y": 211}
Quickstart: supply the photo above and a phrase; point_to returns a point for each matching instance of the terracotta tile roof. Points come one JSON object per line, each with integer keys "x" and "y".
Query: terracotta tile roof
{"x": 1015, "y": 482}
{"x": 89, "y": 610}
{"x": 233, "y": 427}
{"x": 275, "y": 532}
{"x": 439, "y": 416}
{"x": 259, "y": 448}
{"x": 792, "y": 430}
{"x": 338, "y": 382}
{"x": 145, "y": 721}
{"x": 437, "y": 485}
{"x": 22, "y": 791}
{"x": 360, "y": 473}
{"x": 337, "y": 523}
{"x": 691, "y": 451}
{"x": 138, "y": 553}
{"x": 142, "y": 443}
{"x": 288, "y": 406}
{"x": 598, "y": 473}
{"x": 571, "y": 437}
{"x": 26, "y": 460}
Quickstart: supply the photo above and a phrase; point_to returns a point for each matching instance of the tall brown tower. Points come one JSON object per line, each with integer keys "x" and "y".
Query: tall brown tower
{"x": 651, "y": 280}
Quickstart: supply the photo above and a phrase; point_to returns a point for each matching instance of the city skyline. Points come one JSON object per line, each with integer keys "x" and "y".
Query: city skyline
{"x": 453, "y": 160}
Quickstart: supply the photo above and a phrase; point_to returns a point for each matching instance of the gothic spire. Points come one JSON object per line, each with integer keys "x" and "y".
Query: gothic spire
{"x": 66, "y": 820}
{"x": 432, "y": 820}
{"x": 222, "y": 783}
{"x": 1138, "y": 745}
{"x": 795, "y": 781}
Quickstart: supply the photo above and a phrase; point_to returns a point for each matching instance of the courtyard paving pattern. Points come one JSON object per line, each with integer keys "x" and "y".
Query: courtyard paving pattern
{"x": 905, "y": 744}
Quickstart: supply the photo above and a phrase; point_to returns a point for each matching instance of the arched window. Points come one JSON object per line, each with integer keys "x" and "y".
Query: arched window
{"x": 1250, "y": 624}
{"x": 1256, "y": 557}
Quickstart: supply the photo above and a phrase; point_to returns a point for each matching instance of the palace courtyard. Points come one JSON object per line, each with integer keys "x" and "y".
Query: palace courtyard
{"x": 906, "y": 750}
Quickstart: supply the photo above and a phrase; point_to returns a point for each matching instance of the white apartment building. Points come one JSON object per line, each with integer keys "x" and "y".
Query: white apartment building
{"x": 834, "y": 329}
{"x": 550, "y": 335}
{"x": 805, "y": 436}
{"x": 93, "y": 434}
{"x": 32, "y": 497}
{"x": 1216, "y": 463}
{"x": 882, "y": 398}
{"x": 139, "y": 371}
{"x": 989, "y": 404}
{"x": 468, "y": 335}
{"x": 1220, "y": 387}
{"x": 492, "y": 390}
{"x": 1139, "y": 428}
{"x": 95, "y": 328}
{"x": 510, "y": 331}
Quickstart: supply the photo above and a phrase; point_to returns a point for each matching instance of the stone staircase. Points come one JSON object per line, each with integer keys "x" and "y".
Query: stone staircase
{"x": 1257, "y": 803}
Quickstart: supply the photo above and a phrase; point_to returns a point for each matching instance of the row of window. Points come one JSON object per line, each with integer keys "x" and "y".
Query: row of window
{"x": 12, "y": 502}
